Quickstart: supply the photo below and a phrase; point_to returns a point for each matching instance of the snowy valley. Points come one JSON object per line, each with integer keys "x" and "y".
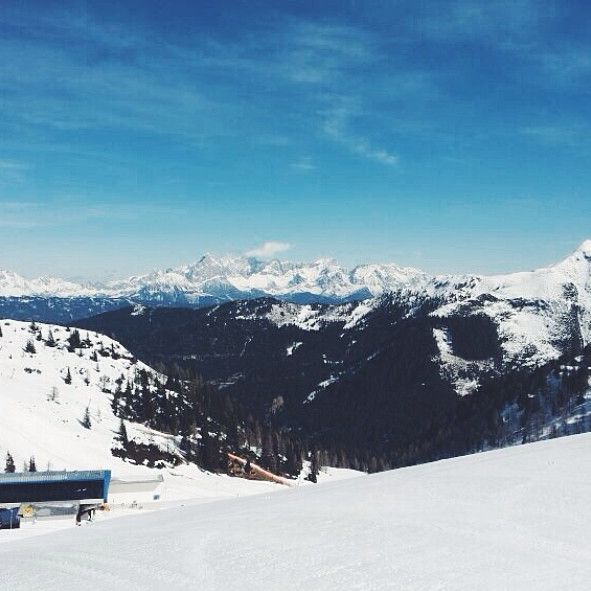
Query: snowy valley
{"x": 464, "y": 364}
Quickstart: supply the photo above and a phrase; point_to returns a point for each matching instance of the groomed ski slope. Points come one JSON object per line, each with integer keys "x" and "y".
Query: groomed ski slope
{"x": 518, "y": 518}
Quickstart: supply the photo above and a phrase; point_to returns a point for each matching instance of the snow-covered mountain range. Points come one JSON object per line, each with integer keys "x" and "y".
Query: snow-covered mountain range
{"x": 535, "y": 314}
{"x": 229, "y": 278}
{"x": 214, "y": 279}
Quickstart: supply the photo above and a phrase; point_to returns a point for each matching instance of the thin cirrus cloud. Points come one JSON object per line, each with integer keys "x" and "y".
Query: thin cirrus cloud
{"x": 336, "y": 127}
{"x": 163, "y": 89}
{"x": 517, "y": 27}
{"x": 566, "y": 135}
{"x": 12, "y": 165}
{"x": 36, "y": 214}
{"x": 493, "y": 21}
{"x": 269, "y": 249}
{"x": 304, "y": 163}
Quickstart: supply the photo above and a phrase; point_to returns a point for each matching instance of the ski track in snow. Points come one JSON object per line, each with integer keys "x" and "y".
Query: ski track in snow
{"x": 517, "y": 518}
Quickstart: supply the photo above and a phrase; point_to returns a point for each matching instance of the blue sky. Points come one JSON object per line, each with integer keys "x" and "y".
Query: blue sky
{"x": 451, "y": 136}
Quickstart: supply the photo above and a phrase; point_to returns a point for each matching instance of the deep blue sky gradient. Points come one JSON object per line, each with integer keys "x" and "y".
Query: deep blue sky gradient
{"x": 451, "y": 136}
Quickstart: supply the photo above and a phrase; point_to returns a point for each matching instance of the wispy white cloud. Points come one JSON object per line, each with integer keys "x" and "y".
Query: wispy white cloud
{"x": 269, "y": 249}
{"x": 519, "y": 28}
{"x": 336, "y": 126}
{"x": 566, "y": 65}
{"x": 565, "y": 135}
{"x": 12, "y": 165}
{"x": 498, "y": 22}
{"x": 76, "y": 73}
{"x": 304, "y": 164}
{"x": 320, "y": 53}
{"x": 34, "y": 214}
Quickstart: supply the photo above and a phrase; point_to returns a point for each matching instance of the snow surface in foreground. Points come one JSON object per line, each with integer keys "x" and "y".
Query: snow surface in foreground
{"x": 518, "y": 518}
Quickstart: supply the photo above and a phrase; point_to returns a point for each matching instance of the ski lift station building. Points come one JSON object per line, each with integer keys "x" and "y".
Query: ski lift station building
{"x": 56, "y": 493}
{"x": 83, "y": 487}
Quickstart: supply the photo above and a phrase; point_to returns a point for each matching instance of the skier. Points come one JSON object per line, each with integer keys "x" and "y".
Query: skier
{"x": 88, "y": 511}
{"x": 79, "y": 515}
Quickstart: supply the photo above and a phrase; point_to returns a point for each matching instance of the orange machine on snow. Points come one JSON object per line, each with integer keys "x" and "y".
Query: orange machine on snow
{"x": 236, "y": 466}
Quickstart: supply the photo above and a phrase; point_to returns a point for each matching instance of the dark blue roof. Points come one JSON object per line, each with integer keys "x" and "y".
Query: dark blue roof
{"x": 32, "y": 477}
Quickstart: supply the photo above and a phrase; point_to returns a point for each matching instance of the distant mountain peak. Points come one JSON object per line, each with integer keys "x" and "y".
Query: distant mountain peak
{"x": 585, "y": 248}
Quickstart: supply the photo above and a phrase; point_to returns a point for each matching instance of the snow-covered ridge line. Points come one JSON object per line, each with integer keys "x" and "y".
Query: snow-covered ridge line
{"x": 232, "y": 278}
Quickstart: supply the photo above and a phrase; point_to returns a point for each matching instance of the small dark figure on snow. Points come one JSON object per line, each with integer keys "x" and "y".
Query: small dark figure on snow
{"x": 79, "y": 516}
{"x": 247, "y": 467}
{"x": 82, "y": 511}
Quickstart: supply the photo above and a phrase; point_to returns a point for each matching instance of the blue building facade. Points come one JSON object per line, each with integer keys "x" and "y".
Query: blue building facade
{"x": 83, "y": 486}
{"x": 9, "y": 518}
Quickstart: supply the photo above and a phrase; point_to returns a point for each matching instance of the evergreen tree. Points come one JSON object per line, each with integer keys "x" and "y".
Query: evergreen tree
{"x": 50, "y": 342}
{"x": 68, "y": 378}
{"x": 312, "y": 476}
{"x": 210, "y": 451}
{"x": 86, "y": 419}
{"x": 74, "y": 341}
{"x": 116, "y": 398}
{"x": 54, "y": 395}
{"x": 30, "y": 347}
{"x": 32, "y": 465}
{"x": 122, "y": 435}
{"x": 9, "y": 466}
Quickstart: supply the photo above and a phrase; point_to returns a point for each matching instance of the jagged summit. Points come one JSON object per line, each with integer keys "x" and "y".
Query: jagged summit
{"x": 584, "y": 248}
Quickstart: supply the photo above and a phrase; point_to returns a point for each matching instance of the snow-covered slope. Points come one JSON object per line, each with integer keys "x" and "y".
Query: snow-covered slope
{"x": 41, "y": 415}
{"x": 566, "y": 287}
{"x": 539, "y": 314}
{"x": 545, "y": 283}
{"x": 518, "y": 518}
